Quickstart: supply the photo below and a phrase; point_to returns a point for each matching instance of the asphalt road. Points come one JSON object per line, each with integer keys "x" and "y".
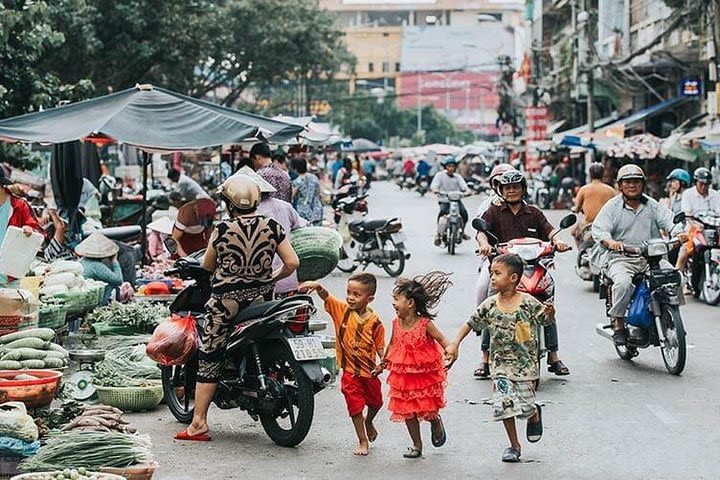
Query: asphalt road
{"x": 609, "y": 419}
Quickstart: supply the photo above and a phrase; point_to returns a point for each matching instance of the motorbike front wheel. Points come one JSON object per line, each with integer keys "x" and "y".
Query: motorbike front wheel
{"x": 674, "y": 352}
{"x": 711, "y": 286}
{"x": 179, "y": 389}
{"x": 289, "y": 426}
{"x": 347, "y": 257}
{"x": 395, "y": 267}
{"x": 625, "y": 352}
{"x": 452, "y": 236}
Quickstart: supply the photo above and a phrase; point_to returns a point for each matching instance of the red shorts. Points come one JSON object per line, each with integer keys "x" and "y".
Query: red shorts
{"x": 360, "y": 392}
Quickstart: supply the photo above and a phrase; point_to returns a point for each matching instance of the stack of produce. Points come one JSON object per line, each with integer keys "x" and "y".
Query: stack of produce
{"x": 127, "y": 367}
{"x": 128, "y": 318}
{"x": 52, "y": 312}
{"x": 18, "y": 432}
{"x": 31, "y": 349}
{"x": 64, "y": 279}
{"x": 99, "y": 418}
{"x": 90, "y": 450}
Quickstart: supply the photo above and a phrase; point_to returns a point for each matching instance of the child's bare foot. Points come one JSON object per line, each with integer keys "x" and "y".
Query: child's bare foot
{"x": 362, "y": 449}
{"x": 372, "y": 433}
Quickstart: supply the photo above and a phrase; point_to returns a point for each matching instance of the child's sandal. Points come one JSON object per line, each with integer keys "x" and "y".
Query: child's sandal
{"x": 413, "y": 452}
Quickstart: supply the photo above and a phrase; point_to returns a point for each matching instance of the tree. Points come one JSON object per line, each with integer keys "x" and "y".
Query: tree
{"x": 261, "y": 42}
{"x": 26, "y": 36}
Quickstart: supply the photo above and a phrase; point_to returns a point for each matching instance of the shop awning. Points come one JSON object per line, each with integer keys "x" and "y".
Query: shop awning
{"x": 644, "y": 114}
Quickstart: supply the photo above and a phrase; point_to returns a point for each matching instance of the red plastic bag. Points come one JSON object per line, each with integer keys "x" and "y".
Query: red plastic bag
{"x": 173, "y": 342}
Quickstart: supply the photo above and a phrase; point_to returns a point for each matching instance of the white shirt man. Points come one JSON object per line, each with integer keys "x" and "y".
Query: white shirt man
{"x": 693, "y": 202}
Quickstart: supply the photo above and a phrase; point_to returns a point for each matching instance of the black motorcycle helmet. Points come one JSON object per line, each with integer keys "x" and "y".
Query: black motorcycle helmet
{"x": 702, "y": 174}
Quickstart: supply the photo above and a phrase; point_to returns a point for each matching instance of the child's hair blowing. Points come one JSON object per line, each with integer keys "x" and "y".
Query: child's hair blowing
{"x": 425, "y": 290}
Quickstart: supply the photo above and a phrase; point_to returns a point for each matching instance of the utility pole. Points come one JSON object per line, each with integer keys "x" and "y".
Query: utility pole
{"x": 418, "y": 91}
{"x": 589, "y": 70}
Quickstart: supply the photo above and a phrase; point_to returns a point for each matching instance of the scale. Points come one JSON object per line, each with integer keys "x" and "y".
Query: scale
{"x": 80, "y": 382}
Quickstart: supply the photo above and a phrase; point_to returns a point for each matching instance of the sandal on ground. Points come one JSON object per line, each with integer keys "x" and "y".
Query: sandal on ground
{"x": 440, "y": 440}
{"x": 558, "y": 368}
{"x": 534, "y": 430}
{"x": 413, "y": 452}
{"x": 200, "y": 437}
{"x": 483, "y": 371}
{"x": 511, "y": 455}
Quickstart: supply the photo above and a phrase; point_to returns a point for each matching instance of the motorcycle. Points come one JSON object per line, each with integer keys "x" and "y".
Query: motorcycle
{"x": 450, "y": 226}
{"x": 583, "y": 268}
{"x": 662, "y": 325}
{"x": 272, "y": 369}
{"x": 539, "y": 192}
{"x": 566, "y": 194}
{"x": 423, "y": 185}
{"x": 539, "y": 259}
{"x": 380, "y": 241}
{"x": 478, "y": 184}
{"x": 704, "y": 266}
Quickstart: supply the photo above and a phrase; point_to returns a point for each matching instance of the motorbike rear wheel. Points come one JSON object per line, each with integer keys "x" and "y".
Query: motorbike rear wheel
{"x": 674, "y": 352}
{"x": 452, "y": 238}
{"x": 290, "y": 426}
{"x": 347, "y": 257}
{"x": 711, "y": 286}
{"x": 395, "y": 267}
{"x": 179, "y": 390}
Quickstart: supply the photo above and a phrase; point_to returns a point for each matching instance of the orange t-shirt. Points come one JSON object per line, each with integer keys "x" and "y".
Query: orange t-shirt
{"x": 591, "y": 198}
{"x": 357, "y": 343}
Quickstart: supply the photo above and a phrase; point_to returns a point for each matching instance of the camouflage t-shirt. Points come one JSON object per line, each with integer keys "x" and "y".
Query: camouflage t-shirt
{"x": 513, "y": 337}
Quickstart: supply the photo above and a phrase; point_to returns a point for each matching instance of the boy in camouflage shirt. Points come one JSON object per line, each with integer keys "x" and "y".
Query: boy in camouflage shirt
{"x": 513, "y": 318}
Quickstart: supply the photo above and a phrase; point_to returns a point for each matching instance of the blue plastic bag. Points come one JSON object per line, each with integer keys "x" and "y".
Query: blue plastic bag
{"x": 639, "y": 314}
{"x": 13, "y": 446}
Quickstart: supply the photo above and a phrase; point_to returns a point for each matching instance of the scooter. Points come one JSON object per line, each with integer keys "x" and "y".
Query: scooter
{"x": 346, "y": 210}
{"x": 380, "y": 241}
{"x": 450, "y": 226}
{"x": 654, "y": 313}
{"x": 539, "y": 258}
{"x": 583, "y": 268}
{"x": 566, "y": 194}
{"x": 539, "y": 192}
{"x": 272, "y": 369}
{"x": 423, "y": 185}
{"x": 704, "y": 266}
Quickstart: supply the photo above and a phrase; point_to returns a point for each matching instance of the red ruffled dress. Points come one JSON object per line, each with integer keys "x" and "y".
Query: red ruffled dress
{"x": 417, "y": 376}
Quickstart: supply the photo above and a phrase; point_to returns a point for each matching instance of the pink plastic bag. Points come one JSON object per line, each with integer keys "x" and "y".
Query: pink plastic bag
{"x": 174, "y": 342}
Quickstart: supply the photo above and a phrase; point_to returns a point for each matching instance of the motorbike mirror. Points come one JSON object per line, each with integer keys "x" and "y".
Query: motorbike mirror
{"x": 480, "y": 225}
{"x": 679, "y": 217}
{"x": 568, "y": 221}
{"x": 171, "y": 245}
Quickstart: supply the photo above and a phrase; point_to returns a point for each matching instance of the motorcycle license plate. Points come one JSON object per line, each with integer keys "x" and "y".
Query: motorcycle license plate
{"x": 307, "y": 348}
{"x": 398, "y": 237}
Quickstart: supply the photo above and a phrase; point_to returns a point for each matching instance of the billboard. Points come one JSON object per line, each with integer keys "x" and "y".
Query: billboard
{"x": 468, "y": 99}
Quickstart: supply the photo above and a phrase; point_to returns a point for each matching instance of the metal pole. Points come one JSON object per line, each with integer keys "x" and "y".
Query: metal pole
{"x": 418, "y": 89}
{"x": 590, "y": 73}
{"x": 143, "y": 222}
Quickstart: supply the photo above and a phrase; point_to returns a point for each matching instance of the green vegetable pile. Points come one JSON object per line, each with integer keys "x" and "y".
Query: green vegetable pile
{"x": 31, "y": 349}
{"x": 127, "y": 367}
{"x": 90, "y": 450}
{"x": 143, "y": 316}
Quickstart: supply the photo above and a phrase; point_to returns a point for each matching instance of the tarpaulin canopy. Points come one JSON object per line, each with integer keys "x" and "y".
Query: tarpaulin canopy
{"x": 148, "y": 117}
{"x": 360, "y": 145}
{"x": 642, "y": 147}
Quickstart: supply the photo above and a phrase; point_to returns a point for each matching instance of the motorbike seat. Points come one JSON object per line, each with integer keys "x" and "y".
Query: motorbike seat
{"x": 373, "y": 225}
{"x": 121, "y": 233}
{"x": 255, "y": 310}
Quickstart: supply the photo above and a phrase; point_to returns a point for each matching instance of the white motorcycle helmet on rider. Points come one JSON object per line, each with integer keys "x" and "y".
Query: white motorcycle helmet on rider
{"x": 511, "y": 177}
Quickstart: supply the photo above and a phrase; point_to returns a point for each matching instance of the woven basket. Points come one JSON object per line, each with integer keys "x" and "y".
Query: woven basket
{"x": 75, "y": 301}
{"x": 318, "y": 249}
{"x": 131, "y": 399}
{"x": 134, "y": 472}
{"x": 52, "y": 316}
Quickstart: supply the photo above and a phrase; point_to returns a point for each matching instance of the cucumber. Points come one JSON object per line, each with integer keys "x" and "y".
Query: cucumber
{"x": 46, "y": 334}
{"x": 10, "y": 365}
{"x": 52, "y": 354}
{"x": 32, "y": 364}
{"x": 31, "y": 353}
{"x": 57, "y": 348}
{"x": 53, "y": 362}
{"x": 12, "y": 355}
{"x": 31, "y": 342}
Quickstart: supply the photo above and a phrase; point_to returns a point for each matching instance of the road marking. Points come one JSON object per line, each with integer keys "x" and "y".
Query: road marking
{"x": 662, "y": 414}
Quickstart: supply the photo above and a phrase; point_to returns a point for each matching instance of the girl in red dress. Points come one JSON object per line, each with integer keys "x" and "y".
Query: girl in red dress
{"x": 415, "y": 358}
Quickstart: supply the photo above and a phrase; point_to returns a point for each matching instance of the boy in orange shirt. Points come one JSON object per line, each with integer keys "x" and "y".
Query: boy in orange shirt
{"x": 360, "y": 341}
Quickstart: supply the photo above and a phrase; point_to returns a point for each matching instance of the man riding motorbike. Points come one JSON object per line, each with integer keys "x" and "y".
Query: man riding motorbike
{"x": 590, "y": 199}
{"x": 515, "y": 219}
{"x": 449, "y": 181}
{"x": 628, "y": 219}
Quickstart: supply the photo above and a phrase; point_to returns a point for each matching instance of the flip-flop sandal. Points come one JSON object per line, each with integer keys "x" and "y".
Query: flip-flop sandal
{"x": 200, "y": 437}
{"x": 558, "y": 368}
{"x": 440, "y": 441}
{"x": 483, "y": 371}
{"x": 534, "y": 430}
{"x": 511, "y": 455}
{"x": 413, "y": 452}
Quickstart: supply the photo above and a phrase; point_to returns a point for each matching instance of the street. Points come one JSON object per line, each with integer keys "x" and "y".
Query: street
{"x": 609, "y": 419}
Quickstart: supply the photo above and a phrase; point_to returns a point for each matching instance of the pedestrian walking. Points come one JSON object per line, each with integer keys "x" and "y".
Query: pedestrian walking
{"x": 512, "y": 318}
{"x": 415, "y": 359}
{"x": 359, "y": 342}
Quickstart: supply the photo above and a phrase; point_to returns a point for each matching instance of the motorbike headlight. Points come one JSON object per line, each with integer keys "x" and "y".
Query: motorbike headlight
{"x": 657, "y": 249}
